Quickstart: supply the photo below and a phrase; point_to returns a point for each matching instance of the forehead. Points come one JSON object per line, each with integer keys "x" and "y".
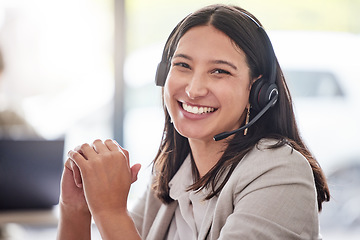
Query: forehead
{"x": 210, "y": 40}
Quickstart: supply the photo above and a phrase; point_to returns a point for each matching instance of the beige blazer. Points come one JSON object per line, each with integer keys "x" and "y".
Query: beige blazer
{"x": 270, "y": 195}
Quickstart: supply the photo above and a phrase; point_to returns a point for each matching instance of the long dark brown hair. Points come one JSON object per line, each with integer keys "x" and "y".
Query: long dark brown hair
{"x": 278, "y": 123}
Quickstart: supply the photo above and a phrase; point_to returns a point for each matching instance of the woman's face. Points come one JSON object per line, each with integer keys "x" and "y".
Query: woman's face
{"x": 208, "y": 85}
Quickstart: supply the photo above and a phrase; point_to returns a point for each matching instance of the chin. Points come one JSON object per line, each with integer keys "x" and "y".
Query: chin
{"x": 193, "y": 135}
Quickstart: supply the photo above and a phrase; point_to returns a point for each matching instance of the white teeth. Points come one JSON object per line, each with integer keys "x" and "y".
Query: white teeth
{"x": 197, "y": 110}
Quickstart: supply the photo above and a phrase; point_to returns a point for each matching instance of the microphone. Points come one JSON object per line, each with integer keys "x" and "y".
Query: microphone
{"x": 223, "y": 135}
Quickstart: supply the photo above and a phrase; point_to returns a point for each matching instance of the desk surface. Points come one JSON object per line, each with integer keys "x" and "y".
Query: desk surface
{"x": 31, "y": 217}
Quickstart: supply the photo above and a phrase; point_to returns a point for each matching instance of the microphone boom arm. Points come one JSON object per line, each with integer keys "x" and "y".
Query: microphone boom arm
{"x": 223, "y": 135}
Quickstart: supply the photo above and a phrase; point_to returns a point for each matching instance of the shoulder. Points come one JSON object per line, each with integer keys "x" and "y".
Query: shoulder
{"x": 265, "y": 166}
{"x": 264, "y": 157}
{"x": 273, "y": 188}
{"x": 265, "y": 150}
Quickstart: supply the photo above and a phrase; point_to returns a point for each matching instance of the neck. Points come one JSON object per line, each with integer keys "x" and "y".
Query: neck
{"x": 206, "y": 154}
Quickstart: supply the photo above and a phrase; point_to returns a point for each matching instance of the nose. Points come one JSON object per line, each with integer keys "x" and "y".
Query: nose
{"x": 197, "y": 86}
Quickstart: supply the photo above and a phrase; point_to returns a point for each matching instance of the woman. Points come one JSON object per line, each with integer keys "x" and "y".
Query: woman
{"x": 258, "y": 180}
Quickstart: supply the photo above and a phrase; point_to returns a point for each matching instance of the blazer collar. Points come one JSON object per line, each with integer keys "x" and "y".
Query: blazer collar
{"x": 181, "y": 180}
{"x": 163, "y": 218}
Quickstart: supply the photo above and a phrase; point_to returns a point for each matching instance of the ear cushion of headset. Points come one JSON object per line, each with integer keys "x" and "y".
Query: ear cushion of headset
{"x": 267, "y": 91}
{"x": 161, "y": 73}
{"x": 264, "y": 94}
{"x": 254, "y": 94}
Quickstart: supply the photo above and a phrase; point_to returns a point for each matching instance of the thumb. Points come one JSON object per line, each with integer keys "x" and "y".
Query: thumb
{"x": 134, "y": 172}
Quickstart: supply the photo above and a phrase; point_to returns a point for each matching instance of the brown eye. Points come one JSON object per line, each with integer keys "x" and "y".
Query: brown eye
{"x": 182, "y": 64}
{"x": 221, "y": 71}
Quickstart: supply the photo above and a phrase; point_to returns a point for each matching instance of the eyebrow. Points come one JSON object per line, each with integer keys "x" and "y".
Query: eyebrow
{"x": 224, "y": 62}
{"x": 180, "y": 55}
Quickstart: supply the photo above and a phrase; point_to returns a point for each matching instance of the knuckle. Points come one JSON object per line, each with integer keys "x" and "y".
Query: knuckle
{"x": 112, "y": 155}
{"x": 98, "y": 158}
{"x": 115, "y": 155}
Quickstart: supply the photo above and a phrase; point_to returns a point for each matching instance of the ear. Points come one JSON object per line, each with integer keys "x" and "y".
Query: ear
{"x": 254, "y": 80}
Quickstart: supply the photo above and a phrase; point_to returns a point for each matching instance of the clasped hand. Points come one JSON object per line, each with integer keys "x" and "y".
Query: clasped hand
{"x": 97, "y": 178}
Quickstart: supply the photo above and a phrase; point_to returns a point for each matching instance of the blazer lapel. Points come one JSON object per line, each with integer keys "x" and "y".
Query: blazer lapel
{"x": 162, "y": 221}
{"x": 208, "y": 219}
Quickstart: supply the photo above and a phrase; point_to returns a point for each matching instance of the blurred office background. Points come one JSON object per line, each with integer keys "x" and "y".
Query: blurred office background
{"x": 84, "y": 69}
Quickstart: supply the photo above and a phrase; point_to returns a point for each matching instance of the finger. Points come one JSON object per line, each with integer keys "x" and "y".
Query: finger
{"x": 67, "y": 163}
{"x": 134, "y": 172}
{"x": 112, "y": 145}
{"x": 76, "y": 174}
{"x": 67, "y": 177}
{"x": 78, "y": 159}
{"x": 78, "y": 149}
{"x": 99, "y": 146}
{"x": 87, "y": 151}
{"x": 124, "y": 151}
{"x": 126, "y": 154}
{"x": 70, "y": 165}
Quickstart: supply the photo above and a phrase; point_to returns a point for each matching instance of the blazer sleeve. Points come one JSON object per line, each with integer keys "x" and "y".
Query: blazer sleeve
{"x": 274, "y": 197}
{"x": 138, "y": 211}
{"x": 145, "y": 212}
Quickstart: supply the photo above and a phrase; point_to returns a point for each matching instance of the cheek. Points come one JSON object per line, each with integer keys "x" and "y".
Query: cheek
{"x": 233, "y": 96}
{"x": 236, "y": 102}
{"x": 169, "y": 91}
{"x": 166, "y": 97}
{"x": 172, "y": 84}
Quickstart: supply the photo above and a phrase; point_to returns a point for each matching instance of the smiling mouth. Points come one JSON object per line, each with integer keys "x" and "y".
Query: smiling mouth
{"x": 197, "y": 110}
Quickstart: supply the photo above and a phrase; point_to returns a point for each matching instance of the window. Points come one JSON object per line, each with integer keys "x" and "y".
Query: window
{"x": 59, "y": 66}
{"x": 313, "y": 84}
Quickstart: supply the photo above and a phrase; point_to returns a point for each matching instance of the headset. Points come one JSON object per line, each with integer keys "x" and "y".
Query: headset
{"x": 264, "y": 91}
{"x": 164, "y": 66}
